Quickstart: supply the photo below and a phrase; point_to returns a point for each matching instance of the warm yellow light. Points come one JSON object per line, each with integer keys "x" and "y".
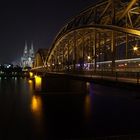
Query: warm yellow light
{"x": 36, "y": 104}
{"x": 87, "y": 107}
{"x": 38, "y": 79}
{"x": 135, "y": 48}
{"x": 30, "y": 81}
{"x": 36, "y": 109}
{"x": 38, "y": 83}
{"x": 59, "y": 63}
{"x": 89, "y": 57}
{"x": 31, "y": 74}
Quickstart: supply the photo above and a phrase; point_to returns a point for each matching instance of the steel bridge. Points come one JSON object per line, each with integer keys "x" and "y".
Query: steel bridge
{"x": 105, "y": 38}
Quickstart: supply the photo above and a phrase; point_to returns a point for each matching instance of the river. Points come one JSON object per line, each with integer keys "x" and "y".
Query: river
{"x": 69, "y": 110}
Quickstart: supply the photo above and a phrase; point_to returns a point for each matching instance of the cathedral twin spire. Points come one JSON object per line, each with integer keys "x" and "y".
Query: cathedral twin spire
{"x": 28, "y": 56}
{"x": 29, "y": 53}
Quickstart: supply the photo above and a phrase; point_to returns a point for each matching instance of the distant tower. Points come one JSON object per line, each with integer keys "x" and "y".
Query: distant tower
{"x": 31, "y": 55}
{"x": 28, "y": 56}
{"x": 25, "y": 53}
{"x": 31, "y": 51}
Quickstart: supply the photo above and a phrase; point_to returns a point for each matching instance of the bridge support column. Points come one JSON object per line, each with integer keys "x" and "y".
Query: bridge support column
{"x": 126, "y": 47}
{"x": 83, "y": 50}
{"x": 113, "y": 50}
{"x": 95, "y": 52}
{"x": 40, "y": 83}
{"x": 63, "y": 57}
{"x": 75, "y": 51}
{"x": 68, "y": 61}
{"x": 99, "y": 46}
{"x": 55, "y": 61}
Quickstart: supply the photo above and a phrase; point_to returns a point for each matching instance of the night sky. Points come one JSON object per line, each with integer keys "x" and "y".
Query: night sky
{"x": 33, "y": 20}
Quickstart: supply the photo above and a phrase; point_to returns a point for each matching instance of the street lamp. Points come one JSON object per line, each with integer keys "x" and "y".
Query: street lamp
{"x": 89, "y": 57}
{"x": 135, "y": 48}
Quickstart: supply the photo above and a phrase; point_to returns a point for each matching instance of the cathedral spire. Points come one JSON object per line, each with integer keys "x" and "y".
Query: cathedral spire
{"x": 32, "y": 46}
{"x": 28, "y": 56}
{"x": 25, "y": 53}
{"x": 31, "y": 51}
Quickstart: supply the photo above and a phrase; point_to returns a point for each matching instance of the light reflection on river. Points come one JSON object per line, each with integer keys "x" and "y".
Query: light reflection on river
{"x": 88, "y": 110}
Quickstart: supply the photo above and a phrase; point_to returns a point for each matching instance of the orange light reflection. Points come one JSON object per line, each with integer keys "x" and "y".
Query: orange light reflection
{"x": 37, "y": 111}
{"x": 30, "y": 81}
{"x": 87, "y": 108}
{"x": 36, "y": 105}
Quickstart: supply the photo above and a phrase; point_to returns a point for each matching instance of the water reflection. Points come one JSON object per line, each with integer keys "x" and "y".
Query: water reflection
{"x": 88, "y": 101}
{"x": 87, "y": 87}
{"x": 36, "y": 100}
{"x": 36, "y": 106}
{"x": 87, "y": 107}
{"x": 87, "y": 110}
{"x": 30, "y": 81}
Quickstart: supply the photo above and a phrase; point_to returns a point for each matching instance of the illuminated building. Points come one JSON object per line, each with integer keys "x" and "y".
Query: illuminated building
{"x": 28, "y": 56}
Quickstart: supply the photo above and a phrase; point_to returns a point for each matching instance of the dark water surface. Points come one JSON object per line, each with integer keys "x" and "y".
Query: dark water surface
{"x": 68, "y": 110}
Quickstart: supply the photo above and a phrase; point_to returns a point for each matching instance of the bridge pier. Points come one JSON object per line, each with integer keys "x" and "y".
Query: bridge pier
{"x": 58, "y": 83}
{"x": 38, "y": 80}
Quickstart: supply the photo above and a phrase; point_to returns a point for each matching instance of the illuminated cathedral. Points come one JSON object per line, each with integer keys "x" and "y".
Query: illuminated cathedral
{"x": 28, "y": 56}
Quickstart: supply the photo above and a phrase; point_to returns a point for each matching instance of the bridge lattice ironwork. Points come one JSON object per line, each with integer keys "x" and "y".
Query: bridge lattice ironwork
{"x": 105, "y": 37}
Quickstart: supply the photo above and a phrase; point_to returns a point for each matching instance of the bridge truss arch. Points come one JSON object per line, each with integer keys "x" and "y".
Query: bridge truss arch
{"x": 103, "y": 37}
{"x": 40, "y": 58}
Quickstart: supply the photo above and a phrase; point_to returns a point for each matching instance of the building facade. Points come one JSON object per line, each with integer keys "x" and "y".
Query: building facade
{"x": 28, "y": 56}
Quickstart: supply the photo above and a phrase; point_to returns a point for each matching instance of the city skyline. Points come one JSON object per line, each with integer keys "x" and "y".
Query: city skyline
{"x": 34, "y": 21}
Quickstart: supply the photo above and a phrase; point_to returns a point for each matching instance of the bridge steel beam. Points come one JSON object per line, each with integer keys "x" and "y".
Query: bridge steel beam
{"x": 113, "y": 50}
{"x": 127, "y": 9}
{"x": 96, "y": 32}
{"x": 103, "y": 27}
{"x": 75, "y": 49}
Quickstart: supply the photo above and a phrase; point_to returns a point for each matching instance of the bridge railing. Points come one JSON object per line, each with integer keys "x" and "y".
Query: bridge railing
{"x": 122, "y": 76}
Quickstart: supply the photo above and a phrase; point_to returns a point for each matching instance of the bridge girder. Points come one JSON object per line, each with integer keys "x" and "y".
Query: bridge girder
{"x": 109, "y": 12}
{"x": 40, "y": 58}
{"x": 97, "y": 34}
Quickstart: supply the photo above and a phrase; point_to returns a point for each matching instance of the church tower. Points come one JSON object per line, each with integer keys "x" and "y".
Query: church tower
{"x": 28, "y": 56}
{"x": 31, "y": 51}
{"x": 31, "y": 55}
{"x": 25, "y": 53}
